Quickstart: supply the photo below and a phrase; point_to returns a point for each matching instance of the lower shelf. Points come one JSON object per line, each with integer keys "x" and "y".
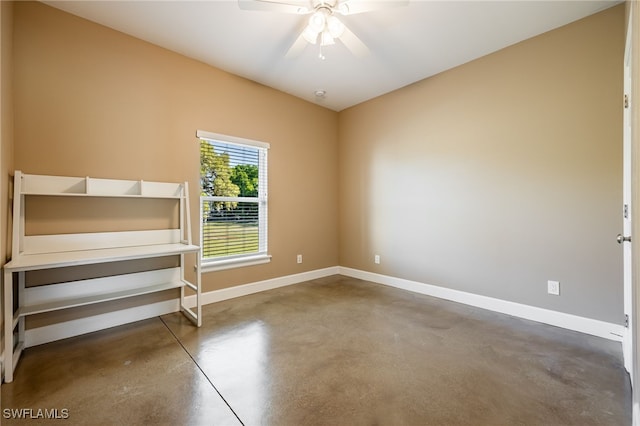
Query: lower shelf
{"x": 54, "y": 297}
{"x": 88, "y": 300}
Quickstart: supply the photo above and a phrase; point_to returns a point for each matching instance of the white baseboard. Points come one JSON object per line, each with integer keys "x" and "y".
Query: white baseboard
{"x": 80, "y": 326}
{"x": 559, "y": 319}
{"x": 63, "y": 330}
{"x": 627, "y": 352}
{"x": 256, "y": 287}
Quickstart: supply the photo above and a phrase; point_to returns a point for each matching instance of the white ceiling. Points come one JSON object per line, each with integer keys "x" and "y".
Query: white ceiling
{"x": 407, "y": 44}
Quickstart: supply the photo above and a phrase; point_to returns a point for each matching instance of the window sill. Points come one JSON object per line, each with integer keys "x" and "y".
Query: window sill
{"x": 220, "y": 265}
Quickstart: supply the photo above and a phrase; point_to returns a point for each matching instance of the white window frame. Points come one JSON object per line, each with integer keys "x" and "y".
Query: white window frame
{"x": 209, "y": 265}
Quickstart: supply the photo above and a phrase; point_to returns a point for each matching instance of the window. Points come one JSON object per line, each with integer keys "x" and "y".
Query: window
{"x": 233, "y": 201}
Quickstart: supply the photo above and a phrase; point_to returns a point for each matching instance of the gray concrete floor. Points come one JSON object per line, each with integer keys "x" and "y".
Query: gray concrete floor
{"x": 335, "y": 351}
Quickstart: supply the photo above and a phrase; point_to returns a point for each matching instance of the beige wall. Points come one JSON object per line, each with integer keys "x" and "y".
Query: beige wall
{"x": 6, "y": 126}
{"x": 490, "y": 178}
{"x": 498, "y": 175}
{"x": 6, "y": 122}
{"x": 93, "y": 101}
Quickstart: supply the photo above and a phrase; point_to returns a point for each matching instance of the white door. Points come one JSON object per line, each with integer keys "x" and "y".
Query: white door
{"x": 625, "y": 238}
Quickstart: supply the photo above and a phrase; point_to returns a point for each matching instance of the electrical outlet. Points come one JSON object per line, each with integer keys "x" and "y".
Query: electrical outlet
{"x": 299, "y": 258}
{"x": 553, "y": 287}
{"x": 376, "y": 259}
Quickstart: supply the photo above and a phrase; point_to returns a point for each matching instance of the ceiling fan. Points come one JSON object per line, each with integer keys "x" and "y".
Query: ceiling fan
{"x": 323, "y": 26}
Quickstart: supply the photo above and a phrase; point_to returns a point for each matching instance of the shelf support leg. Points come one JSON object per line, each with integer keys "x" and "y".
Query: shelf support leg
{"x": 21, "y": 319}
{"x": 7, "y": 297}
{"x": 199, "y": 286}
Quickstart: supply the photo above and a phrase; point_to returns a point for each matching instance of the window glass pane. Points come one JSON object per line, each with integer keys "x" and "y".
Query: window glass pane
{"x": 229, "y": 228}
{"x": 233, "y": 214}
{"x": 228, "y": 170}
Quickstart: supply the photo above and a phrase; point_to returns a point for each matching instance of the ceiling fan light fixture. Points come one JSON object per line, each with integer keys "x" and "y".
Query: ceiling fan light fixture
{"x": 317, "y": 21}
{"x": 335, "y": 27}
{"x": 310, "y": 35}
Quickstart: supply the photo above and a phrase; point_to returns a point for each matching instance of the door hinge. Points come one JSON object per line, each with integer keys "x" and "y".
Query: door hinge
{"x": 626, "y": 321}
{"x": 625, "y": 211}
{"x": 626, "y": 101}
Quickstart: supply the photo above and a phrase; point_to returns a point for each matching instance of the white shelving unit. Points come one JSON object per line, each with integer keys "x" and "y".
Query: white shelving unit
{"x": 37, "y": 252}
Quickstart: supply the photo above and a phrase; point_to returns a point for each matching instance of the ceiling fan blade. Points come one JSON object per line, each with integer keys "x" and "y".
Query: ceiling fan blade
{"x": 351, "y": 7}
{"x": 354, "y": 44}
{"x": 296, "y": 48}
{"x": 290, "y": 6}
